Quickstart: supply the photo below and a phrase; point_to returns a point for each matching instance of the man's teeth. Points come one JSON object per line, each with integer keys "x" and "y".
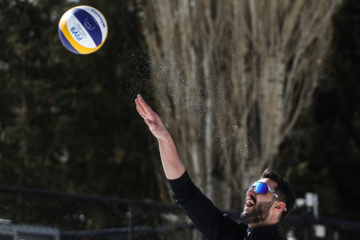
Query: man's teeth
{"x": 250, "y": 203}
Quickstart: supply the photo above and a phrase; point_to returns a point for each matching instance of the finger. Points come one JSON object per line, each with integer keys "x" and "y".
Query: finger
{"x": 139, "y": 106}
{"x": 145, "y": 106}
{"x": 140, "y": 111}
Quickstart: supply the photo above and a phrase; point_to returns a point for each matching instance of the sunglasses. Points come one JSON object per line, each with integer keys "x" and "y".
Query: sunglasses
{"x": 263, "y": 188}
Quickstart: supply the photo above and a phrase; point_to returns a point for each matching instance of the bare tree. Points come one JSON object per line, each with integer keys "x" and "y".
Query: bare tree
{"x": 231, "y": 78}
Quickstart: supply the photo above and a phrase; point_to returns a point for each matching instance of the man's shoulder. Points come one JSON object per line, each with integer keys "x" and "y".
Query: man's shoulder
{"x": 232, "y": 229}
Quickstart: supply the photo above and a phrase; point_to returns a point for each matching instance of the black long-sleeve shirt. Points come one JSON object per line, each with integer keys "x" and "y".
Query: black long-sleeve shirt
{"x": 210, "y": 221}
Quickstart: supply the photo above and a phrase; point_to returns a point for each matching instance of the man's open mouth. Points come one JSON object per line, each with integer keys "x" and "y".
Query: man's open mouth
{"x": 250, "y": 202}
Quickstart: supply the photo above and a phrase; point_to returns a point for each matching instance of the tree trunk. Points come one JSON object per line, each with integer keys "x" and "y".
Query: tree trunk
{"x": 230, "y": 80}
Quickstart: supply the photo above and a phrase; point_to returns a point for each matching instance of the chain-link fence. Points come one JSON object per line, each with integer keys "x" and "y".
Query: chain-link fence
{"x": 91, "y": 217}
{"x": 34, "y": 214}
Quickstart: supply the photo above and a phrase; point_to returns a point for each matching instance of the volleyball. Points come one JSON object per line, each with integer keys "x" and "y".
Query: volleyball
{"x": 83, "y": 29}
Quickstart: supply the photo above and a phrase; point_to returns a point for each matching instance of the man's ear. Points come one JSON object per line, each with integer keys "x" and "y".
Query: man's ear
{"x": 279, "y": 206}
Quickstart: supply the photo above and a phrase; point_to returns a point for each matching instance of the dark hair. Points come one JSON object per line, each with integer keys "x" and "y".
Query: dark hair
{"x": 283, "y": 189}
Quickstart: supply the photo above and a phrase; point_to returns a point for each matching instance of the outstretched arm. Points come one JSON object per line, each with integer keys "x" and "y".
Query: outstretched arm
{"x": 171, "y": 162}
{"x": 207, "y": 218}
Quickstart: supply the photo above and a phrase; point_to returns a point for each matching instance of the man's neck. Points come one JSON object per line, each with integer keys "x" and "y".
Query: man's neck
{"x": 263, "y": 224}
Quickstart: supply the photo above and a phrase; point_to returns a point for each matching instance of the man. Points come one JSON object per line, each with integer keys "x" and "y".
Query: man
{"x": 267, "y": 201}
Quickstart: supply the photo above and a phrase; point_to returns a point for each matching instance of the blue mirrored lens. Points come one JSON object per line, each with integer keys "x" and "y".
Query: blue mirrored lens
{"x": 260, "y": 188}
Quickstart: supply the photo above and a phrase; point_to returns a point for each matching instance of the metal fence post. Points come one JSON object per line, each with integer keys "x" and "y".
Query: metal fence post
{"x": 309, "y": 226}
{"x": 131, "y": 224}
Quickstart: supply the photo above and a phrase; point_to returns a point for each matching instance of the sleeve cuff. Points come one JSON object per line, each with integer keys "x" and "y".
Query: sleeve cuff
{"x": 179, "y": 183}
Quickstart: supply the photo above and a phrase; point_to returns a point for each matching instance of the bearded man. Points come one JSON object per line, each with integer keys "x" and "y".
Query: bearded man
{"x": 267, "y": 201}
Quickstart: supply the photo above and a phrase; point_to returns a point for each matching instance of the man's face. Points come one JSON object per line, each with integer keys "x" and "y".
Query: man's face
{"x": 257, "y": 206}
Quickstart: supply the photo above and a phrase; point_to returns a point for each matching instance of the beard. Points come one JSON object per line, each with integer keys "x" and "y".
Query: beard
{"x": 259, "y": 213}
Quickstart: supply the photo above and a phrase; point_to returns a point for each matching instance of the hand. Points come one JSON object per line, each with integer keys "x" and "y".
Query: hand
{"x": 170, "y": 159}
{"x": 155, "y": 124}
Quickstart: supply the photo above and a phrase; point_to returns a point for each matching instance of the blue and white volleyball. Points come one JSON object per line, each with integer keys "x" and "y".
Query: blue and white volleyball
{"x": 83, "y": 29}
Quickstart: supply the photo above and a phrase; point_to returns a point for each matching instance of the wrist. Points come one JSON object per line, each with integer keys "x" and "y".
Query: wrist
{"x": 166, "y": 138}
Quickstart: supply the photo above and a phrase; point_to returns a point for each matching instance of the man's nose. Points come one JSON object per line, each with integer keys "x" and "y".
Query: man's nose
{"x": 251, "y": 192}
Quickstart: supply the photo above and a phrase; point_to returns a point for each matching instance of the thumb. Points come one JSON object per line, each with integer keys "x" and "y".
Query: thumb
{"x": 149, "y": 122}
{"x": 152, "y": 126}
